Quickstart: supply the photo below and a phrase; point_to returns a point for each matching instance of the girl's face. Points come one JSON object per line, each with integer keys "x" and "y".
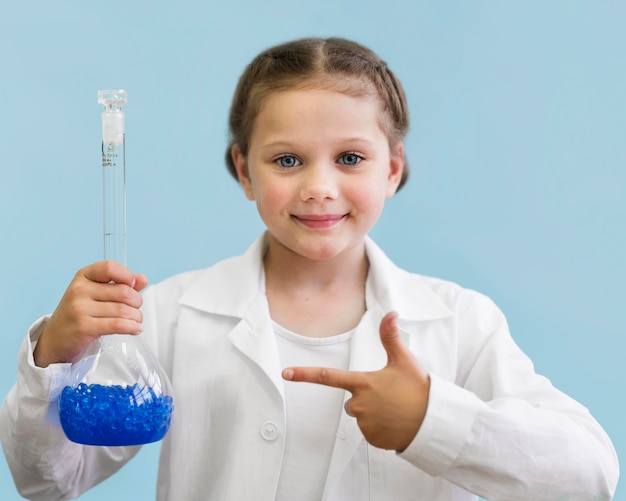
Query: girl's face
{"x": 319, "y": 167}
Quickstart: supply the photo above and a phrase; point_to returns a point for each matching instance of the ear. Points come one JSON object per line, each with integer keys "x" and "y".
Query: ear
{"x": 241, "y": 166}
{"x": 396, "y": 167}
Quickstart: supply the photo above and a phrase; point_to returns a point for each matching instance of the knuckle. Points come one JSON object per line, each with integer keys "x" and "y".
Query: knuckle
{"x": 125, "y": 293}
{"x": 82, "y": 272}
{"x": 119, "y": 310}
{"x": 108, "y": 265}
{"x": 356, "y": 409}
{"x": 118, "y": 326}
{"x": 324, "y": 376}
{"x": 77, "y": 289}
{"x": 130, "y": 296}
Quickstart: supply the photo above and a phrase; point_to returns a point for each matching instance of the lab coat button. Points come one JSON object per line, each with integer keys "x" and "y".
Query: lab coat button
{"x": 269, "y": 431}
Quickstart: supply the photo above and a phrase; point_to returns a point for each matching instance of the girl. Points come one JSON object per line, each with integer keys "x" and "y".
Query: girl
{"x": 440, "y": 403}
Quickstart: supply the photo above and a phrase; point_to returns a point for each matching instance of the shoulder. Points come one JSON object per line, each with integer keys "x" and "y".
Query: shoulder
{"x": 176, "y": 286}
{"x": 420, "y": 296}
{"x": 455, "y": 295}
{"x": 224, "y": 288}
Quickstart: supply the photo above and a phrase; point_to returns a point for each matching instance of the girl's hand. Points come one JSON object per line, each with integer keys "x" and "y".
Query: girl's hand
{"x": 103, "y": 298}
{"x": 390, "y": 404}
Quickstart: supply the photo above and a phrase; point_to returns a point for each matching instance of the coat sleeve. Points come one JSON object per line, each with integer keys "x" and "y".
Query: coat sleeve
{"x": 504, "y": 432}
{"x": 45, "y": 465}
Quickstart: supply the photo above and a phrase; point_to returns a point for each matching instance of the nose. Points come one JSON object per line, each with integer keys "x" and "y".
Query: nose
{"x": 319, "y": 182}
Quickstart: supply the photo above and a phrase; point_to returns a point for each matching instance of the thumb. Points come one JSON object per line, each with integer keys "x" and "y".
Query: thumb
{"x": 390, "y": 338}
{"x": 141, "y": 281}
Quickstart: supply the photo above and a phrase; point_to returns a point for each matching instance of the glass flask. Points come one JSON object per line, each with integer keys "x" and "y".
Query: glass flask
{"x": 117, "y": 393}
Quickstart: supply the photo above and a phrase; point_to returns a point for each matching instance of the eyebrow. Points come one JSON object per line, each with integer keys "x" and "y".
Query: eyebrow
{"x": 291, "y": 144}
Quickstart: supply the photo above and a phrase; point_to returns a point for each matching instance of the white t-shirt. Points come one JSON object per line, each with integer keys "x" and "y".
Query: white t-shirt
{"x": 313, "y": 413}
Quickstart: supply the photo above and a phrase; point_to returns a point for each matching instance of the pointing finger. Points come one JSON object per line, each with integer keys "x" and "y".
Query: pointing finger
{"x": 336, "y": 378}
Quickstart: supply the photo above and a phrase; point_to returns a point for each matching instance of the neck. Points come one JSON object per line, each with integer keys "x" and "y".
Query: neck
{"x": 316, "y": 298}
{"x": 291, "y": 270}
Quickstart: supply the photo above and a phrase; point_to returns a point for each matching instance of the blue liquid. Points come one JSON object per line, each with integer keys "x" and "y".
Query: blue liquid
{"x": 114, "y": 415}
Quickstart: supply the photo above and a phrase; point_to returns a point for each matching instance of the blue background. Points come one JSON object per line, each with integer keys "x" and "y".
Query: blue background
{"x": 517, "y": 150}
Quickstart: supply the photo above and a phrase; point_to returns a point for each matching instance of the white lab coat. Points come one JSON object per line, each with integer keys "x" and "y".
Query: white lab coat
{"x": 493, "y": 427}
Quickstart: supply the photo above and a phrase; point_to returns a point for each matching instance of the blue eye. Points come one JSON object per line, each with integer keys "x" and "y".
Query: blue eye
{"x": 287, "y": 161}
{"x": 350, "y": 159}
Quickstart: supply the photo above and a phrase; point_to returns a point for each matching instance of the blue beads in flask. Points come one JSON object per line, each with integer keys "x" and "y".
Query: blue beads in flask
{"x": 116, "y": 395}
{"x": 114, "y": 415}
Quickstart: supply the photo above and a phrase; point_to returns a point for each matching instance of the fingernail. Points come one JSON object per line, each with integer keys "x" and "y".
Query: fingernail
{"x": 394, "y": 320}
{"x": 288, "y": 374}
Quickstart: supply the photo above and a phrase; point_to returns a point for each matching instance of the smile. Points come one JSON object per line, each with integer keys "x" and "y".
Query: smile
{"x": 320, "y": 220}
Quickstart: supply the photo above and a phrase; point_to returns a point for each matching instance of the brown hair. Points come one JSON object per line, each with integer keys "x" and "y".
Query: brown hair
{"x": 332, "y": 63}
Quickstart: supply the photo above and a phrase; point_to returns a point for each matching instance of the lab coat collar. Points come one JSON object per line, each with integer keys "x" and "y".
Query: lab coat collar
{"x": 395, "y": 289}
{"x": 232, "y": 287}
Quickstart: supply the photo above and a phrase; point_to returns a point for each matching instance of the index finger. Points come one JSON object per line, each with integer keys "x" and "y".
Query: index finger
{"x": 336, "y": 378}
{"x": 109, "y": 271}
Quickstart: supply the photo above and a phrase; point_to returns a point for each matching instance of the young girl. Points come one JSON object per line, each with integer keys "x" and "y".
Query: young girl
{"x": 440, "y": 403}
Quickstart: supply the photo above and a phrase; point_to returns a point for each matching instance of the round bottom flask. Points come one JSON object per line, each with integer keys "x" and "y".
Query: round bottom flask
{"x": 117, "y": 394}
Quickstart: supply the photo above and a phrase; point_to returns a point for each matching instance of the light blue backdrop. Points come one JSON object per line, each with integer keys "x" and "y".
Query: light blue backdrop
{"x": 517, "y": 148}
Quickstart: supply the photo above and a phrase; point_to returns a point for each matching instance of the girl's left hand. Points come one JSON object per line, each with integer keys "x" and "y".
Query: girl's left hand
{"x": 390, "y": 404}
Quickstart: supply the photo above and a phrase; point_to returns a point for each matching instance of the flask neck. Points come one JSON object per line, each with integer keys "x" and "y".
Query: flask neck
{"x": 113, "y": 127}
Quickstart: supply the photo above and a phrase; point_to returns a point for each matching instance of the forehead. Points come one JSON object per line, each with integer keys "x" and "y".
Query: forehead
{"x": 319, "y": 113}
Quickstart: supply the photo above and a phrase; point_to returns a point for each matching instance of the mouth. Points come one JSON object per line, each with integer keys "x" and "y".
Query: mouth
{"x": 319, "y": 220}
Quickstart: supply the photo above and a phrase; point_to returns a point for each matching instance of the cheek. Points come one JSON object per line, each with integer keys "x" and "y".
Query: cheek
{"x": 271, "y": 200}
{"x": 369, "y": 198}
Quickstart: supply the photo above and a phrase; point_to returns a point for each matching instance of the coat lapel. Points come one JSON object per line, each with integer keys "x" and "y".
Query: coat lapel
{"x": 366, "y": 354}
{"x": 254, "y": 337}
{"x": 232, "y": 288}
